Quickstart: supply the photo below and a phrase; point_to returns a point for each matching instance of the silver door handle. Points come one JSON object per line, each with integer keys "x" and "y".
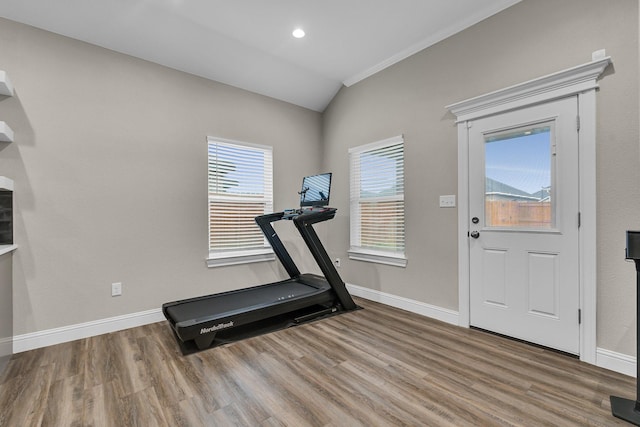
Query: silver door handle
{"x": 474, "y": 234}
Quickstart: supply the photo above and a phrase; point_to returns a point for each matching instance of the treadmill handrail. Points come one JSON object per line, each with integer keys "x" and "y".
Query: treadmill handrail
{"x": 304, "y": 224}
{"x": 264, "y": 222}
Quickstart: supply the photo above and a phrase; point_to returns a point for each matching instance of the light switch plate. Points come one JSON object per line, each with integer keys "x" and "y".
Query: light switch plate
{"x": 448, "y": 201}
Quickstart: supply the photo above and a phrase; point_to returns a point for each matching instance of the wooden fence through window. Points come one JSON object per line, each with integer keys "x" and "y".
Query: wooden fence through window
{"x": 518, "y": 213}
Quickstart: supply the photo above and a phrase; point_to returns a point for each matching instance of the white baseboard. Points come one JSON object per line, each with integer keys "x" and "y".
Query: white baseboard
{"x": 64, "y": 334}
{"x": 617, "y": 362}
{"x": 427, "y": 310}
{"x": 606, "y": 359}
{"x": 54, "y": 336}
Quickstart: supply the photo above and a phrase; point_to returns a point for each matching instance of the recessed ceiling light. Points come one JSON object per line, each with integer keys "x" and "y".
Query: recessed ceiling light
{"x": 298, "y": 33}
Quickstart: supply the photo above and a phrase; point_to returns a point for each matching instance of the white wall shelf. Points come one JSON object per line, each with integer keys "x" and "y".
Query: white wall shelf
{"x": 5, "y": 249}
{"x": 6, "y": 88}
{"x": 6, "y": 133}
{"x": 6, "y": 183}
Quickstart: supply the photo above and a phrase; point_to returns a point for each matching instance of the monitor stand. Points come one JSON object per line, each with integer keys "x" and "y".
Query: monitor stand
{"x": 627, "y": 409}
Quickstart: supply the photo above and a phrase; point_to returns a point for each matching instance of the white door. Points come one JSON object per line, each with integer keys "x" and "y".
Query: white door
{"x": 523, "y": 202}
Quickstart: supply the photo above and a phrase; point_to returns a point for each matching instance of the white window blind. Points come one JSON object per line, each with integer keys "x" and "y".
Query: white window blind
{"x": 377, "y": 202}
{"x": 240, "y": 188}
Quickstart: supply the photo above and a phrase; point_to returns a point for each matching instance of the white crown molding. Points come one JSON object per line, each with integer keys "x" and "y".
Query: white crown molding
{"x": 557, "y": 85}
{"x": 430, "y": 41}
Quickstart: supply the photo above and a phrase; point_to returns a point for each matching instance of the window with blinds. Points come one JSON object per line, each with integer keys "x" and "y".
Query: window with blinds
{"x": 377, "y": 202}
{"x": 240, "y": 188}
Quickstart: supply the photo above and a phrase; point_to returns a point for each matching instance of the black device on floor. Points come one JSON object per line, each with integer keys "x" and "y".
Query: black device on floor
{"x": 206, "y": 321}
{"x": 627, "y": 409}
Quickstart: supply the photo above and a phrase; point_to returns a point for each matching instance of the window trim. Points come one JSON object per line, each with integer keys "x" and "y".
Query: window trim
{"x": 393, "y": 258}
{"x": 221, "y": 259}
{"x": 378, "y": 257}
{"x": 238, "y": 257}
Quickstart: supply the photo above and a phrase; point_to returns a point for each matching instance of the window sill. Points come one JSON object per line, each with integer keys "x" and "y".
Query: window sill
{"x": 241, "y": 257}
{"x": 378, "y": 257}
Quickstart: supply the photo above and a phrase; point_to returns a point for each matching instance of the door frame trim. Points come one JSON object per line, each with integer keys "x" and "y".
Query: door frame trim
{"x": 580, "y": 81}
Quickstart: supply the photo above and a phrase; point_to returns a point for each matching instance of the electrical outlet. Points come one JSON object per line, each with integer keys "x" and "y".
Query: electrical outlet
{"x": 337, "y": 262}
{"x": 116, "y": 289}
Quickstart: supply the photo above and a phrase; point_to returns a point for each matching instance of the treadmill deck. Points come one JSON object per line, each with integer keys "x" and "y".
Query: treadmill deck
{"x": 216, "y": 307}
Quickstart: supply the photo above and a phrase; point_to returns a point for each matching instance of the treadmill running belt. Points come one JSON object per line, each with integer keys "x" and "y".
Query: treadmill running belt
{"x": 225, "y": 304}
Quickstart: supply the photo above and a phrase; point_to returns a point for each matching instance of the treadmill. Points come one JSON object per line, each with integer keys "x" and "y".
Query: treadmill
{"x": 211, "y": 320}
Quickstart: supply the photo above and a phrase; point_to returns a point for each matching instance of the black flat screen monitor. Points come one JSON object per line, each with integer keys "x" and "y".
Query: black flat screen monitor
{"x": 633, "y": 245}
{"x": 315, "y": 190}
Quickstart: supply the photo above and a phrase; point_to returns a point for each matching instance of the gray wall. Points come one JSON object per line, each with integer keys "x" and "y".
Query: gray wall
{"x": 110, "y": 171}
{"x": 109, "y": 162}
{"x": 528, "y": 40}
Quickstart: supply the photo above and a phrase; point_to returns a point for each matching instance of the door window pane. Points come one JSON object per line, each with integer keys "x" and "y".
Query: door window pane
{"x": 518, "y": 178}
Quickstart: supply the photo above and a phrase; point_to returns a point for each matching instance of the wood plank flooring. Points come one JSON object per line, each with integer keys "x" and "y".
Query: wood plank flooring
{"x": 374, "y": 367}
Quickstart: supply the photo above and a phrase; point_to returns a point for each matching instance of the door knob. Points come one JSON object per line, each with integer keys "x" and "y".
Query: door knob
{"x": 475, "y": 234}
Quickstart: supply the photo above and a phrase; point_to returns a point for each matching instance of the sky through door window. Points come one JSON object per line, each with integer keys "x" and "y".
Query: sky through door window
{"x": 519, "y": 178}
{"x": 240, "y": 182}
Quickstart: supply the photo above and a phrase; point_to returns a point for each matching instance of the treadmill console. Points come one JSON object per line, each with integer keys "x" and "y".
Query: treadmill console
{"x": 294, "y": 213}
{"x": 290, "y": 213}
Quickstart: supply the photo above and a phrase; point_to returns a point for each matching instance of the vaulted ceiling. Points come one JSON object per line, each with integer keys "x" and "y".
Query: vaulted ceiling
{"x": 248, "y": 43}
